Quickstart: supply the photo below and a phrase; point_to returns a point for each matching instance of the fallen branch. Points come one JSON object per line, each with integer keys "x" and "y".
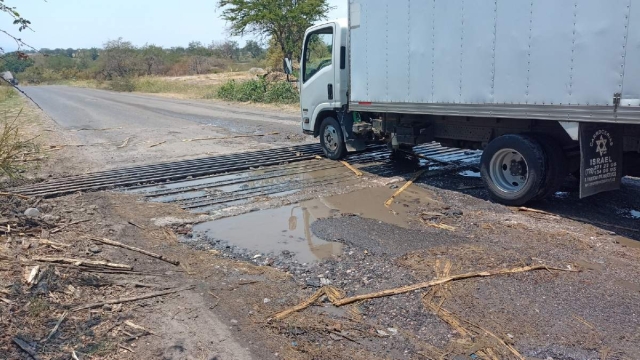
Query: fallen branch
{"x": 136, "y": 225}
{"x": 355, "y": 171}
{"x": 126, "y": 348}
{"x": 303, "y": 305}
{"x": 441, "y": 226}
{"x": 158, "y": 144}
{"x": 229, "y": 137}
{"x": 55, "y": 328}
{"x": 125, "y": 143}
{"x": 14, "y": 195}
{"x": 6, "y": 301}
{"x": 138, "y": 327}
{"x": 54, "y": 231}
{"x": 405, "y": 187}
{"x": 83, "y": 262}
{"x": 25, "y": 347}
{"x": 131, "y": 299}
{"x": 53, "y": 244}
{"x": 124, "y": 246}
{"x": 409, "y": 288}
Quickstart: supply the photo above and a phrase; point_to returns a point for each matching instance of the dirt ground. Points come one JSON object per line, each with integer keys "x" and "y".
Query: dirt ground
{"x": 581, "y": 300}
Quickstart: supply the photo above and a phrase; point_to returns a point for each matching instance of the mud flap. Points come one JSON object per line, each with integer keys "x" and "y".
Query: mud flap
{"x": 601, "y": 149}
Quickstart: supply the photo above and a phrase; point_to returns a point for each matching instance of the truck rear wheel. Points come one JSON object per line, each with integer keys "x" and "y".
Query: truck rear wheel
{"x": 513, "y": 169}
{"x": 557, "y": 166}
{"x": 332, "y": 139}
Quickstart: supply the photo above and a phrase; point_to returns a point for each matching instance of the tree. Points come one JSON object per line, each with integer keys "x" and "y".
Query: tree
{"x": 14, "y": 63}
{"x": 153, "y": 59}
{"x": 119, "y": 59}
{"x": 228, "y": 49}
{"x": 284, "y": 21}
{"x": 253, "y": 48}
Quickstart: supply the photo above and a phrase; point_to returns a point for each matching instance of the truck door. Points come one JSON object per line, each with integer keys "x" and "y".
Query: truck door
{"x": 317, "y": 78}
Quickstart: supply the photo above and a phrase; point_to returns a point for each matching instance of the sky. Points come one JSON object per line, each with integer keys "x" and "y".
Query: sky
{"x": 90, "y": 23}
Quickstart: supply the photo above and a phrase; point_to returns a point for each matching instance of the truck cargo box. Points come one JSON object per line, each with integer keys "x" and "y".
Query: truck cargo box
{"x": 546, "y": 59}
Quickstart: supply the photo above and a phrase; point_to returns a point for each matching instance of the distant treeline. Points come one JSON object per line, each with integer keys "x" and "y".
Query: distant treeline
{"x": 120, "y": 58}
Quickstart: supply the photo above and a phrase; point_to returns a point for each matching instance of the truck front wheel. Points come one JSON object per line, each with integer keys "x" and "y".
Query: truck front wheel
{"x": 513, "y": 169}
{"x": 332, "y": 139}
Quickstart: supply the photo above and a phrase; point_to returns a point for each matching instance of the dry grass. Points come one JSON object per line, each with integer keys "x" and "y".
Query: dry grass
{"x": 15, "y": 146}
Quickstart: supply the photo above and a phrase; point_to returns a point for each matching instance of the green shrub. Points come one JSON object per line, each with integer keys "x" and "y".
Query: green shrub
{"x": 282, "y": 92}
{"x": 259, "y": 91}
{"x": 122, "y": 84}
{"x": 251, "y": 90}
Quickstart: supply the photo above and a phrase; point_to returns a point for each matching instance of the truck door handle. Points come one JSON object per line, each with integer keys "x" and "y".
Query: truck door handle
{"x": 330, "y": 90}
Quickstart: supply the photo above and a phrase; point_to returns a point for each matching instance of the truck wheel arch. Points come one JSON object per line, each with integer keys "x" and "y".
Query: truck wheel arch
{"x": 323, "y": 114}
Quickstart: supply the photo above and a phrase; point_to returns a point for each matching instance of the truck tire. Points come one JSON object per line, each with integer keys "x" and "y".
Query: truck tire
{"x": 557, "y": 166}
{"x": 332, "y": 139}
{"x": 513, "y": 169}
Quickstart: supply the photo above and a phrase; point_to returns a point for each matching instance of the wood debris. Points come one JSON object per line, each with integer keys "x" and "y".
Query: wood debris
{"x": 350, "y": 167}
{"x": 424, "y": 285}
{"x": 337, "y": 297}
{"x": 55, "y": 328}
{"x": 415, "y": 177}
{"x": 25, "y": 347}
{"x": 158, "y": 144}
{"x": 82, "y": 262}
{"x": 57, "y": 230}
{"x": 138, "y": 327}
{"x": 5, "y": 194}
{"x": 141, "y": 251}
{"x": 125, "y": 143}
{"x": 441, "y": 226}
{"x": 131, "y": 299}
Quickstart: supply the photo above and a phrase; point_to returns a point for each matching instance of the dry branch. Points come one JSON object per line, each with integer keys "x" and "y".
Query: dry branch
{"x": 55, "y": 328}
{"x": 141, "y": 251}
{"x": 54, "y": 231}
{"x": 15, "y": 195}
{"x": 405, "y": 187}
{"x": 131, "y": 299}
{"x": 25, "y": 347}
{"x": 409, "y": 288}
{"x": 158, "y": 144}
{"x": 125, "y": 143}
{"x": 83, "y": 262}
{"x": 303, "y": 305}
{"x": 355, "y": 171}
{"x": 138, "y": 327}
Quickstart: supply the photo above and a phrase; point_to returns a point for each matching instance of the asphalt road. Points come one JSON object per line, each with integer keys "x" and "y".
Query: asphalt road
{"x": 109, "y": 130}
{"x": 75, "y": 108}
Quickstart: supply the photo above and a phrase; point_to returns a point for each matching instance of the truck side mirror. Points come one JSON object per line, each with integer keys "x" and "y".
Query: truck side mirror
{"x": 288, "y": 68}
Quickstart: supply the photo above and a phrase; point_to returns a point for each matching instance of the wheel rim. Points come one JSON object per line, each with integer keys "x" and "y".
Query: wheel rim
{"x": 509, "y": 170}
{"x": 331, "y": 139}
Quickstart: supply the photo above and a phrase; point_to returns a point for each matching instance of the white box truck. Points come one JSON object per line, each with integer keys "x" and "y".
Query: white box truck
{"x": 545, "y": 88}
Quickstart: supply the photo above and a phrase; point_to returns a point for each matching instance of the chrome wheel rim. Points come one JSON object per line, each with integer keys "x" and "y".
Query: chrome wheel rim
{"x": 509, "y": 170}
{"x": 331, "y": 139}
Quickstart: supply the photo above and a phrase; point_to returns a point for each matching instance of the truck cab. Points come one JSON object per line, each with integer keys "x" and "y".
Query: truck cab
{"x": 324, "y": 79}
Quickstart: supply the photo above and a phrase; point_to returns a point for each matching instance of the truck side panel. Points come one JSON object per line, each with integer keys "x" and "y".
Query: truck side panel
{"x": 505, "y": 56}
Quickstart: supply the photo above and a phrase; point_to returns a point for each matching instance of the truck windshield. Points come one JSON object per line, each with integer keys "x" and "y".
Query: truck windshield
{"x": 318, "y": 52}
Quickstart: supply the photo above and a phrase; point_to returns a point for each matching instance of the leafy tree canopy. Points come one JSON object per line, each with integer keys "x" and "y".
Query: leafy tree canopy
{"x": 285, "y": 21}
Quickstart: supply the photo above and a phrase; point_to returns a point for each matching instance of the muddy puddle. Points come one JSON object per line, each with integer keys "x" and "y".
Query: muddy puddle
{"x": 287, "y": 230}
